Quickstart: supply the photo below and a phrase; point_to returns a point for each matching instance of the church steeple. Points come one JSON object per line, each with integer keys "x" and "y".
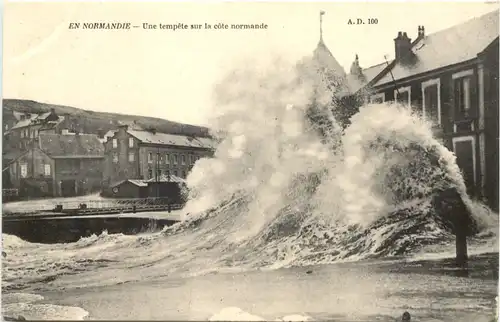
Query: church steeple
{"x": 322, "y": 54}
{"x": 321, "y": 13}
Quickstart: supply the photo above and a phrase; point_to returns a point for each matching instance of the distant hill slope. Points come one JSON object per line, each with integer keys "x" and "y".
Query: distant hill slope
{"x": 100, "y": 122}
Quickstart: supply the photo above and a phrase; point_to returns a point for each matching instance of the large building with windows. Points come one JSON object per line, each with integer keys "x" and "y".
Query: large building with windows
{"x": 451, "y": 78}
{"x": 147, "y": 154}
{"x": 58, "y": 165}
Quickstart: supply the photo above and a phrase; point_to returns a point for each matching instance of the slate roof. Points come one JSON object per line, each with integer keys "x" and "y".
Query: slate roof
{"x": 171, "y": 139}
{"x": 450, "y": 46}
{"x": 355, "y": 83}
{"x": 10, "y": 156}
{"x": 139, "y": 183}
{"x": 36, "y": 119}
{"x": 21, "y": 123}
{"x": 144, "y": 183}
{"x": 71, "y": 146}
{"x": 326, "y": 59}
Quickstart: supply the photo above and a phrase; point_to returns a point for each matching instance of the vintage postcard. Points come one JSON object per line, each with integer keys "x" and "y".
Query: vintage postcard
{"x": 225, "y": 161}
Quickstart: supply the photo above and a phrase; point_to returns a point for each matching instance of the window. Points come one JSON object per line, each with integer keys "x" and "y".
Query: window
{"x": 159, "y": 157}
{"x": 130, "y": 142}
{"x": 6, "y": 127}
{"x": 46, "y": 169}
{"x": 158, "y": 173}
{"x": 24, "y": 170}
{"x": 115, "y": 157}
{"x": 183, "y": 159}
{"x": 175, "y": 173}
{"x": 378, "y": 98}
{"x": 183, "y": 173}
{"x": 150, "y": 157}
{"x": 168, "y": 174}
{"x": 175, "y": 158}
{"x": 131, "y": 156}
{"x": 22, "y": 134}
{"x": 36, "y": 133}
{"x": 150, "y": 173}
{"x": 431, "y": 99}
{"x": 167, "y": 160}
{"x": 403, "y": 95}
{"x": 462, "y": 95}
{"x": 115, "y": 143}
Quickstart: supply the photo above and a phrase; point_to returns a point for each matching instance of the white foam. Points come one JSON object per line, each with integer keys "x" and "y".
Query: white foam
{"x": 10, "y": 298}
{"x": 32, "y": 311}
{"x": 235, "y": 314}
{"x": 23, "y": 304}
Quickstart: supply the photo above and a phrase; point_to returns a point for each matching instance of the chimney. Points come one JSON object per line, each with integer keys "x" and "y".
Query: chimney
{"x": 421, "y": 32}
{"x": 402, "y": 46}
{"x": 355, "y": 68}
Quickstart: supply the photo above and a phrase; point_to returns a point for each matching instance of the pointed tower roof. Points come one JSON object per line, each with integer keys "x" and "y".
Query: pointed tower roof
{"x": 324, "y": 57}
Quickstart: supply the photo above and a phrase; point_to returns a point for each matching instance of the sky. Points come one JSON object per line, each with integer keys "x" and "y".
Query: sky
{"x": 171, "y": 74}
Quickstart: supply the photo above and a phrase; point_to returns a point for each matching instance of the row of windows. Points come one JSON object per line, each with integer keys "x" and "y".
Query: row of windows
{"x": 172, "y": 159}
{"x": 24, "y": 170}
{"x": 181, "y": 173}
{"x": 26, "y": 133}
{"x": 130, "y": 143}
{"x": 431, "y": 96}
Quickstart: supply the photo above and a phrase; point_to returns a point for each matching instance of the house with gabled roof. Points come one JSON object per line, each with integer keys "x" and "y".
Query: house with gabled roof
{"x": 59, "y": 165}
{"x": 148, "y": 154}
{"x": 22, "y": 134}
{"x": 450, "y": 77}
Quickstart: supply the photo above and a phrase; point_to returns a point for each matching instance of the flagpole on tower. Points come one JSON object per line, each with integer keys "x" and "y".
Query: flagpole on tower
{"x": 321, "y": 13}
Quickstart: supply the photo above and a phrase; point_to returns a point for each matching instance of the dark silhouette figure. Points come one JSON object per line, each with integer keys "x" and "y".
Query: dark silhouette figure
{"x": 406, "y": 317}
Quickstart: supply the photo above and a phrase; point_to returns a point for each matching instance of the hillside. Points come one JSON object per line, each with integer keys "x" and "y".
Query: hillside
{"x": 100, "y": 122}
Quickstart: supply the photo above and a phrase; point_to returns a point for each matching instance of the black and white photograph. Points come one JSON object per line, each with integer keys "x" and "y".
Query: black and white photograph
{"x": 250, "y": 161}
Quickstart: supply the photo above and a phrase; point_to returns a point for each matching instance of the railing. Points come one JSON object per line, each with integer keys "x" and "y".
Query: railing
{"x": 86, "y": 206}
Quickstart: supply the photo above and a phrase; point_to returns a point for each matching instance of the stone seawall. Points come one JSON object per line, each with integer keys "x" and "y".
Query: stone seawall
{"x": 71, "y": 229}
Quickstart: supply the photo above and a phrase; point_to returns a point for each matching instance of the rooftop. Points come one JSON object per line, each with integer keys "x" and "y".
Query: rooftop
{"x": 450, "y": 46}
{"x": 457, "y": 44}
{"x": 71, "y": 146}
{"x": 149, "y": 137}
{"x": 37, "y": 119}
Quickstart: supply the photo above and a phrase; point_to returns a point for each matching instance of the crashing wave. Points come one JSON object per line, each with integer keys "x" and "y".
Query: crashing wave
{"x": 289, "y": 186}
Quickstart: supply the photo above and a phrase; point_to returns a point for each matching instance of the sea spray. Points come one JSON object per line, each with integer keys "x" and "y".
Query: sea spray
{"x": 288, "y": 186}
{"x": 267, "y": 143}
{"x": 307, "y": 188}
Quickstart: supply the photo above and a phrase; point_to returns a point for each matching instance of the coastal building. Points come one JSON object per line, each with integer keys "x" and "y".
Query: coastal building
{"x": 59, "y": 165}
{"x": 451, "y": 78}
{"x": 164, "y": 187}
{"x": 21, "y": 135}
{"x": 141, "y": 154}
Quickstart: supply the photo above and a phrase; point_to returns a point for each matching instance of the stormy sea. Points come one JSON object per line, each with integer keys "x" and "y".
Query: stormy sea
{"x": 298, "y": 216}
